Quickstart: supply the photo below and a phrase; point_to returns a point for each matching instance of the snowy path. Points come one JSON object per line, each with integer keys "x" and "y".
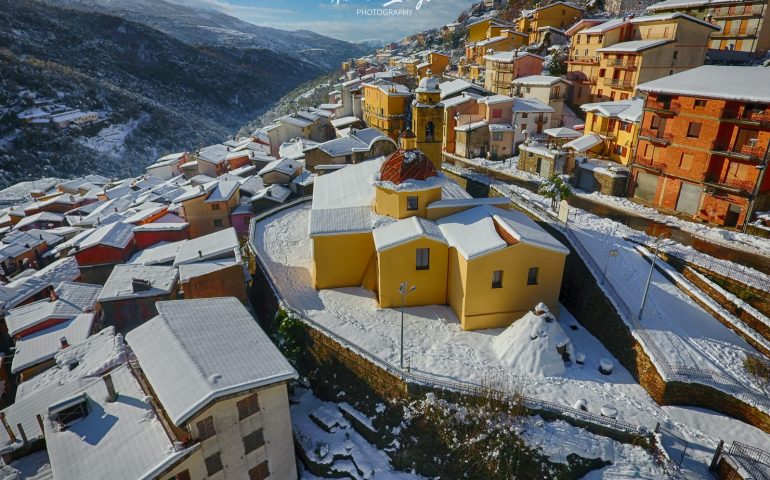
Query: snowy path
{"x": 436, "y": 346}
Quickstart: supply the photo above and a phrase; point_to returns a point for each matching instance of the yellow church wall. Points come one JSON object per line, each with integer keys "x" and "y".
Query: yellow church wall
{"x": 400, "y": 265}
{"x": 457, "y": 274}
{"x": 341, "y": 260}
{"x": 487, "y": 307}
{"x": 393, "y": 203}
{"x": 478, "y": 31}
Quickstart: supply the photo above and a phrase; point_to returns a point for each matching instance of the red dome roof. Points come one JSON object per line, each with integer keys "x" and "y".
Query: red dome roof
{"x": 403, "y": 165}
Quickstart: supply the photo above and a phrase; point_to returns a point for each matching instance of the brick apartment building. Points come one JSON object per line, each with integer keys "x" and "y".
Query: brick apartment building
{"x": 703, "y": 144}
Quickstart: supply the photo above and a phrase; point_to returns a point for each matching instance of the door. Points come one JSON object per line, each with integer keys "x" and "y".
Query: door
{"x": 732, "y": 214}
{"x": 689, "y": 198}
{"x": 586, "y": 181}
{"x": 646, "y": 186}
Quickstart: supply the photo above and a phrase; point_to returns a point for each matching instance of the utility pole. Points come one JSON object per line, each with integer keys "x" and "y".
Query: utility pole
{"x": 649, "y": 277}
{"x": 404, "y": 290}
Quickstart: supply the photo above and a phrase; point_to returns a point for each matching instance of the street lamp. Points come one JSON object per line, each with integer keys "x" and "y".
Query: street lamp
{"x": 404, "y": 290}
{"x": 649, "y": 277}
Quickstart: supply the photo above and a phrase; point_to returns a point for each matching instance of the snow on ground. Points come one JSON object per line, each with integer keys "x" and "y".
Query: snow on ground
{"x": 35, "y": 466}
{"x": 436, "y": 345}
{"x": 716, "y": 235}
{"x": 337, "y": 439}
{"x": 111, "y": 140}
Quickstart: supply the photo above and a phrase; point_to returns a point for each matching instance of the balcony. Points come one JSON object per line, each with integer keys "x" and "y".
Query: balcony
{"x": 619, "y": 84}
{"x": 628, "y": 64}
{"x": 656, "y": 136}
{"x": 649, "y": 164}
{"x": 541, "y": 120}
{"x": 734, "y": 185}
{"x": 663, "y": 108}
{"x": 751, "y": 117}
{"x": 738, "y": 11}
{"x": 555, "y": 97}
{"x": 736, "y": 33}
{"x": 748, "y": 152}
{"x": 583, "y": 60}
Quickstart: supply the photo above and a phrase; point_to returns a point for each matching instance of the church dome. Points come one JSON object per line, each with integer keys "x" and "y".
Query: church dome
{"x": 404, "y": 165}
{"x": 428, "y": 84}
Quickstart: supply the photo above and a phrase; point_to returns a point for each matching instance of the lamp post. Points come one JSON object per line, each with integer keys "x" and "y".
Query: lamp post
{"x": 649, "y": 277}
{"x": 404, "y": 290}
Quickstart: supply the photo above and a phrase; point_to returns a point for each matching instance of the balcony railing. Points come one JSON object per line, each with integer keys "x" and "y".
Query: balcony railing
{"x": 541, "y": 119}
{"x": 656, "y": 136}
{"x": 585, "y": 60}
{"x": 650, "y": 163}
{"x": 747, "y": 116}
{"x": 622, "y": 63}
{"x": 736, "y": 33}
{"x": 618, "y": 83}
{"x": 733, "y": 184}
{"x": 738, "y": 11}
{"x": 557, "y": 96}
{"x": 667, "y": 107}
{"x": 745, "y": 152}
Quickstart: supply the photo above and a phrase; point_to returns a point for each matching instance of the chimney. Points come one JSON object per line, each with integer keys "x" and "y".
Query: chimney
{"x": 140, "y": 285}
{"x": 112, "y": 395}
{"x": 200, "y": 254}
{"x": 63, "y": 343}
{"x": 22, "y": 434}
{"x": 8, "y": 429}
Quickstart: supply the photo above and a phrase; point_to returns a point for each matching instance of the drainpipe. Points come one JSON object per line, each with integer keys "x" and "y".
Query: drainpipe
{"x": 755, "y": 193}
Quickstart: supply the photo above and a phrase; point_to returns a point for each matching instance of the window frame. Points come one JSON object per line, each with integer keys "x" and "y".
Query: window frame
{"x": 218, "y": 223}
{"x": 207, "y": 423}
{"x": 248, "y": 407}
{"x": 690, "y": 127}
{"x": 262, "y": 469}
{"x": 412, "y": 203}
{"x": 258, "y": 440}
{"x": 214, "y": 456}
{"x": 530, "y": 279}
{"x": 497, "y": 279}
{"x": 422, "y": 259}
{"x": 216, "y": 206}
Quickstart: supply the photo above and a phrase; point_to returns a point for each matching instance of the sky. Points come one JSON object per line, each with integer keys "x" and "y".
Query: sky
{"x": 352, "y": 20}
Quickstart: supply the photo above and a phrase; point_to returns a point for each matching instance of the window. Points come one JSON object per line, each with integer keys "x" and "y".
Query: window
{"x": 412, "y": 203}
{"x": 700, "y": 103}
{"x": 497, "y": 136}
{"x": 602, "y": 71}
{"x": 348, "y": 158}
{"x": 423, "y": 258}
{"x": 66, "y": 415}
{"x": 429, "y": 132}
{"x": 655, "y": 122}
{"x": 670, "y": 72}
{"x": 497, "y": 113}
{"x": 253, "y": 441}
{"x": 619, "y": 150}
{"x": 693, "y": 131}
{"x": 248, "y": 406}
{"x": 532, "y": 276}
{"x": 213, "y": 464}
{"x": 218, "y": 223}
{"x": 215, "y": 206}
{"x": 260, "y": 472}
{"x": 185, "y": 475}
{"x": 497, "y": 279}
{"x": 206, "y": 428}
{"x": 624, "y": 96}
{"x": 676, "y": 52}
{"x": 685, "y": 162}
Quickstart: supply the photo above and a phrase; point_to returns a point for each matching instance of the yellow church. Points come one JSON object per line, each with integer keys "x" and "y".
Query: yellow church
{"x": 390, "y": 220}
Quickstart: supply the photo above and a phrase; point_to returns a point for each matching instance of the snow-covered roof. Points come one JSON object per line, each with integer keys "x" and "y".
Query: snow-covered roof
{"x": 195, "y": 191}
{"x": 355, "y": 141}
{"x": 584, "y": 143}
{"x": 159, "y": 254}
{"x": 508, "y": 57}
{"x": 466, "y": 127}
{"x": 456, "y": 86}
{"x": 223, "y": 191}
{"x": 138, "y": 281}
{"x": 406, "y": 230}
{"x": 196, "y": 351}
{"x": 221, "y": 244}
{"x": 606, "y": 26}
{"x": 746, "y": 84}
{"x": 539, "y": 80}
{"x": 343, "y": 220}
{"x": 467, "y": 202}
{"x": 500, "y": 127}
{"x": 276, "y": 193}
{"x": 460, "y": 99}
{"x": 295, "y": 120}
{"x": 343, "y": 122}
{"x": 474, "y": 231}
{"x": 348, "y": 187}
{"x": 73, "y": 299}
{"x": 675, "y": 4}
{"x": 634, "y": 46}
{"x": 286, "y": 166}
{"x": 295, "y": 148}
{"x": 163, "y": 224}
{"x": 144, "y": 214}
{"x": 87, "y": 448}
{"x": 528, "y": 105}
{"x": 194, "y": 270}
{"x": 43, "y": 345}
{"x": 626, "y": 110}
{"x": 116, "y": 235}
{"x": 562, "y": 132}
{"x": 215, "y": 154}
{"x": 673, "y": 16}
{"x": 390, "y": 89}
{"x": 494, "y": 99}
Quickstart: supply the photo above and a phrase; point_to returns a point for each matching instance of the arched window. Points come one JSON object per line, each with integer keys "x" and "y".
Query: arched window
{"x": 429, "y": 132}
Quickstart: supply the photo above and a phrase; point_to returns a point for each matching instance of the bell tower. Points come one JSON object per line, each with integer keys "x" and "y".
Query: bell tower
{"x": 428, "y": 118}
